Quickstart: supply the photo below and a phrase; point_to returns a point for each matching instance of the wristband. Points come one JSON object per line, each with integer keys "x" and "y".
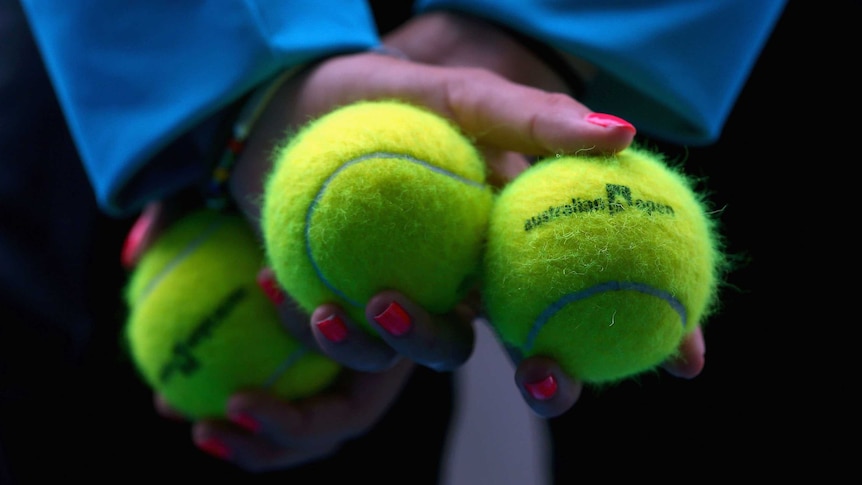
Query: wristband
{"x": 215, "y": 191}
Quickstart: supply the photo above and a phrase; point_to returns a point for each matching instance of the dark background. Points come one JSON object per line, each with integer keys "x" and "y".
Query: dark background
{"x": 768, "y": 402}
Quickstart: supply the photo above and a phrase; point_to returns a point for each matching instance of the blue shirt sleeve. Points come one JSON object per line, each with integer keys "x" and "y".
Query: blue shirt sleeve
{"x": 132, "y": 76}
{"x": 673, "y": 68}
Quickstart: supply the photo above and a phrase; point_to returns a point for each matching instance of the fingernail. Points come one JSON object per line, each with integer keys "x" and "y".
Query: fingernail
{"x": 543, "y": 389}
{"x": 214, "y": 447}
{"x": 266, "y": 281}
{"x": 132, "y": 245}
{"x": 333, "y": 328}
{"x": 245, "y": 422}
{"x": 394, "y": 320}
{"x": 609, "y": 121}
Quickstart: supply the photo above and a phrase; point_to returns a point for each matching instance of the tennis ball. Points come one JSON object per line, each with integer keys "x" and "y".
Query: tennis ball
{"x": 199, "y": 328}
{"x": 603, "y": 263}
{"x": 376, "y": 195}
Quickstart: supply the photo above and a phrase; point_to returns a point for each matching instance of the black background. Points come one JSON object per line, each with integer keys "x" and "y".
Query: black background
{"x": 767, "y": 402}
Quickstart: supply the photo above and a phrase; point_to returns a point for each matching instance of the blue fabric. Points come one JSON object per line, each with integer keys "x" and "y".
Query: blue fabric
{"x": 673, "y": 68}
{"x": 173, "y": 64}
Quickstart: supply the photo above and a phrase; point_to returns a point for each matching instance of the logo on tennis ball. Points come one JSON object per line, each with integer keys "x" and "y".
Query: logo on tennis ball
{"x": 619, "y": 198}
{"x": 183, "y": 360}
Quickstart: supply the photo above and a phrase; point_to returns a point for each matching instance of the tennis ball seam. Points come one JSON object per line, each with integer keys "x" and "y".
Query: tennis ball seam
{"x": 607, "y": 286}
{"x": 366, "y": 157}
{"x": 413, "y": 219}
{"x": 187, "y": 251}
{"x": 285, "y": 365}
{"x": 609, "y": 298}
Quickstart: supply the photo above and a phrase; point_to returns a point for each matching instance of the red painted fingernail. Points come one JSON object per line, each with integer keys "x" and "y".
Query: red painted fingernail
{"x": 394, "y": 320}
{"x": 333, "y": 328}
{"x": 132, "y": 245}
{"x": 266, "y": 281}
{"x": 245, "y": 422}
{"x": 542, "y": 390}
{"x": 214, "y": 447}
{"x": 609, "y": 121}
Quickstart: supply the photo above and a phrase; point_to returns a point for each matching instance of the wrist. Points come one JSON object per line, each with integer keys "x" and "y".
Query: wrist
{"x": 216, "y": 193}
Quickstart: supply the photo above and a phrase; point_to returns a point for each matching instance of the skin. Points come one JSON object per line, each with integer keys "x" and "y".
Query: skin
{"x": 516, "y": 108}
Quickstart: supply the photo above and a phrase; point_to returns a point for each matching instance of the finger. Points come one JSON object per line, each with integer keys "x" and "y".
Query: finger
{"x": 139, "y": 236}
{"x": 449, "y": 39}
{"x": 164, "y": 409}
{"x": 266, "y": 433}
{"x": 503, "y": 166}
{"x": 440, "y": 342}
{"x": 329, "y": 330}
{"x": 344, "y": 341}
{"x": 250, "y": 452}
{"x": 345, "y": 411}
{"x": 153, "y": 220}
{"x": 546, "y": 389}
{"x": 529, "y": 120}
{"x": 493, "y": 110}
{"x": 290, "y": 316}
{"x": 690, "y": 360}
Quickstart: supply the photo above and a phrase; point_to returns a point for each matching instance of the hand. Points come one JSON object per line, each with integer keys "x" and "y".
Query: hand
{"x": 264, "y": 432}
{"x": 507, "y": 119}
{"x": 447, "y": 39}
{"x": 269, "y": 434}
{"x": 550, "y": 392}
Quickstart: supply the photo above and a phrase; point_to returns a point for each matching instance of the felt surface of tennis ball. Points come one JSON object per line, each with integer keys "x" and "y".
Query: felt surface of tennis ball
{"x": 199, "y": 328}
{"x": 604, "y": 263}
{"x": 376, "y": 195}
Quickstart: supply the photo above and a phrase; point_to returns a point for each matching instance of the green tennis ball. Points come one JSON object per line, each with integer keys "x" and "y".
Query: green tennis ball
{"x": 604, "y": 263}
{"x": 199, "y": 328}
{"x": 376, "y": 195}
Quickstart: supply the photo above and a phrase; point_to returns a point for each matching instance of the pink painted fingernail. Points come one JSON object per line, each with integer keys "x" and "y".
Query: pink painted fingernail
{"x": 394, "y": 320}
{"x": 266, "y": 281}
{"x": 245, "y": 422}
{"x": 333, "y": 328}
{"x": 132, "y": 245}
{"x": 609, "y": 121}
{"x": 543, "y": 389}
{"x": 214, "y": 447}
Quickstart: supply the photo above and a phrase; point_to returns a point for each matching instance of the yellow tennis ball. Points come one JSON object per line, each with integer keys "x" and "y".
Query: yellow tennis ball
{"x": 376, "y": 195}
{"x": 199, "y": 329}
{"x": 604, "y": 263}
